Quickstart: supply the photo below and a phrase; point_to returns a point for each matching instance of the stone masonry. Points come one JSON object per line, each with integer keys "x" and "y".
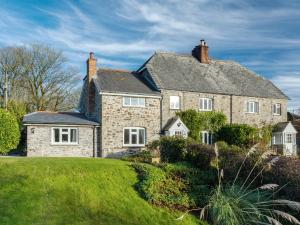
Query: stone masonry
{"x": 39, "y": 142}
{"x": 190, "y": 100}
{"x": 115, "y": 117}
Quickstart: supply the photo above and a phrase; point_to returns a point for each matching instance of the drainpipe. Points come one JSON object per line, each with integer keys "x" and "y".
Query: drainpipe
{"x": 230, "y": 109}
{"x": 94, "y": 144}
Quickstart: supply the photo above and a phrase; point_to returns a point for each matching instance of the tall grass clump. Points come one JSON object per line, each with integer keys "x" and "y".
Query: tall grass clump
{"x": 243, "y": 204}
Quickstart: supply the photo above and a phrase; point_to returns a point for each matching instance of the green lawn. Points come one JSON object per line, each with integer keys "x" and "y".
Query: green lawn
{"x": 75, "y": 191}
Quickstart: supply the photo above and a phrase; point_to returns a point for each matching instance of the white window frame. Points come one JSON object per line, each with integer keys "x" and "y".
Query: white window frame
{"x": 208, "y": 102}
{"x": 130, "y": 136}
{"x": 277, "y": 109}
{"x": 60, "y": 136}
{"x": 139, "y": 99}
{"x": 174, "y": 101}
{"x": 209, "y": 134}
{"x": 248, "y": 107}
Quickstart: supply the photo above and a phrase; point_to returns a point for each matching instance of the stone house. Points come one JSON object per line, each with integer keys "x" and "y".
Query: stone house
{"x": 125, "y": 110}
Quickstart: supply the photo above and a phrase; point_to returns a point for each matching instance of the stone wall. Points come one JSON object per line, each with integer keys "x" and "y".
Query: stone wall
{"x": 115, "y": 117}
{"x": 39, "y": 142}
{"x": 190, "y": 100}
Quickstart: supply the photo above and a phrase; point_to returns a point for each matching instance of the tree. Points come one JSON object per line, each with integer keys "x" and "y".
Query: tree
{"x": 9, "y": 132}
{"x": 38, "y": 75}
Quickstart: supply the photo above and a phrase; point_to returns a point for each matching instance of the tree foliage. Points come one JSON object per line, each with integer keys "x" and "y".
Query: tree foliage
{"x": 9, "y": 132}
{"x": 202, "y": 121}
{"x": 39, "y": 76}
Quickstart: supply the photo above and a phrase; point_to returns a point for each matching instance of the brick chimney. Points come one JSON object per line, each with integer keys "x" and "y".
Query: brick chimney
{"x": 201, "y": 52}
{"x": 91, "y": 65}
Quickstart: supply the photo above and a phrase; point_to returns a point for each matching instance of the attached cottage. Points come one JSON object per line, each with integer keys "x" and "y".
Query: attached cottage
{"x": 121, "y": 111}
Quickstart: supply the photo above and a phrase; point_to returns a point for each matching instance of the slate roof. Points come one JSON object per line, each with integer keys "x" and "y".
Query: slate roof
{"x": 280, "y": 127}
{"x": 123, "y": 81}
{"x": 70, "y": 118}
{"x": 185, "y": 73}
{"x": 293, "y": 116}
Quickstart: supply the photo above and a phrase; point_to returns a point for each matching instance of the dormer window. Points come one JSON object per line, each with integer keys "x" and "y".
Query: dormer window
{"x": 174, "y": 102}
{"x": 277, "y": 109}
{"x": 206, "y": 104}
{"x": 134, "y": 102}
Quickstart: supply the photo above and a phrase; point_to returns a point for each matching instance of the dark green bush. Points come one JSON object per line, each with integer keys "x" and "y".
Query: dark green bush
{"x": 172, "y": 149}
{"x": 143, "y": 156}
{"x": 241, "y": 135}
{"x": 160, "y": 189}
{"x": 200, "y": 155}
{"x": 9, "y": 132}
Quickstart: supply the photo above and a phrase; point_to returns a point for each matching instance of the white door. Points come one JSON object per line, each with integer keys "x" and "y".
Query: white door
{"x": 289, "y": 143}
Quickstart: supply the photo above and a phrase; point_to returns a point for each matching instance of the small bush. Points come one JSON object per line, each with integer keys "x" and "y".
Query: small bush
{"x": 172, "y": 149}
{"x": 241, "y": 135}
{"x": 9, "y": 132}
{"x": 160, "y": 189}
{"x": 143, "y": 156}
{"x": 200, "y": 155}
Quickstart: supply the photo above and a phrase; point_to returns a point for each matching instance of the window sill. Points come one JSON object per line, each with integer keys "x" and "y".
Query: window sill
{"x": 274, "y": 114}
{"x": 252, "y": 113}
{"x": 129, "y": 106}
{"x": 133, "y": 146}
{"x": 205, "y": 110}
{"x": 64, "y": 144}
{"x": 174, "y": 108}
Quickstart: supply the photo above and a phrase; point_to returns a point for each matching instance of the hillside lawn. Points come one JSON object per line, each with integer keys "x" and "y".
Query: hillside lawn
{"x": 75, "y": 191}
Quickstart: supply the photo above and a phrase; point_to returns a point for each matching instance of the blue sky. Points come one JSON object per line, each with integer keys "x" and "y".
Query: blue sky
{"x": 263, "y": 35}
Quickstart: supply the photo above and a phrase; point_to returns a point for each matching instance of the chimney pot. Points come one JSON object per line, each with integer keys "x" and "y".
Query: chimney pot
{"x": 92, "y": 56}
{"x": 201, "y": 52}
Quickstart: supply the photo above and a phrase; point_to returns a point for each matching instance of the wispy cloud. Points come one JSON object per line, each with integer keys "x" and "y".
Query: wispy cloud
{"x": 262, "y": 35}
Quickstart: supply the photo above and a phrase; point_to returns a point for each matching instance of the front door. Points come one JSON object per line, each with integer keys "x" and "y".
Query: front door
{"x": 289, "y": 144}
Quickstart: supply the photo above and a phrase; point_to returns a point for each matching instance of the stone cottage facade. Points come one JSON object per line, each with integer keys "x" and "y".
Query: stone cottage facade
{"x": 133, "y": 108}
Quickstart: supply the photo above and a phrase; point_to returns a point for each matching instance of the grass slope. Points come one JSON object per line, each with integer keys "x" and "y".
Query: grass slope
{"x": 75, "y": 191}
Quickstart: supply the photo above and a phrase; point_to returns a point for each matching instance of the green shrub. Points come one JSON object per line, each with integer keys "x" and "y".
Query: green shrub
{"x": 18, "y": 109}
{"x": 172, "y": 149}
{"x": 142, "y": 156}
{"x": 200, "y": 155}
{"x": 202, "y": 121}
{"x": 9, "y": 132}
{"x": 160, "y": 189}
{"x": 241, "y": 135}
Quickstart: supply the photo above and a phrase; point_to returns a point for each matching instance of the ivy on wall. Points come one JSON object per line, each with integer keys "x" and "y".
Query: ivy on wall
{"x": 202, "y": 121}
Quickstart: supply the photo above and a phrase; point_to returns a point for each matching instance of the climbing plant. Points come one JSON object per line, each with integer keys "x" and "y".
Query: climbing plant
{"x": 202, "y": 121}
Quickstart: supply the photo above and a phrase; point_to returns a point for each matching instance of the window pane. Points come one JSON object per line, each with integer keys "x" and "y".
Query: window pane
{"x": 201, "y": 103}
{"x": 205, "y": 104}
{"x": 134, "y": 101}
{"x": 209, "y": 104}
{"x": 56, "y": 135}
{"x": 256, "y": 107}
{"x": 64, "y": 138}
{"x": 126, "y": 101}
{"x": 141, "y": 102}
{"x": 174, "y": 102}
{"x": 141, "y": 136}
{"x": 73, "y": 135}
{"x": 126, "y": 136}
{"x": 133, "y": 139}
{"x": 65, "y": 130}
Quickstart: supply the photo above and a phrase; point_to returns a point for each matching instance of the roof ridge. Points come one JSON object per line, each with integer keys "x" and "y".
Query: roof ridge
{"x": 114, "y": 70}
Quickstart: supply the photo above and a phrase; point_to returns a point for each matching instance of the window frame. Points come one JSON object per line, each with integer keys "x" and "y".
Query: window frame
{"x": 172, "y": 106}
{"x": 253, "y": 106}
{"x": 201, "y": 106}
{"x": 130, "y": 100}
{"x": 276, "y": 108}
{"x": 130, "y": 136}
{"x": 209, "y": 136}
{"x": 53, "y": 142}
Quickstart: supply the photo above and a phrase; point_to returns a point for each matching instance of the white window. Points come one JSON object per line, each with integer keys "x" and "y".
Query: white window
{"x": 174, "y": 102}
{"x": 134, "y": 136}
{"x": 64, "y": 135}
{"x": 277, "y": 109}
{"x": 289, "y": 138}
{"x": 207, "y": 137}
{"x": 252, "y": 107}
{"x": 206, "y": 104}
{"x": 178, "y": 133}
{"x": 134, "y": 101}
{"x": 277, "y": 139}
